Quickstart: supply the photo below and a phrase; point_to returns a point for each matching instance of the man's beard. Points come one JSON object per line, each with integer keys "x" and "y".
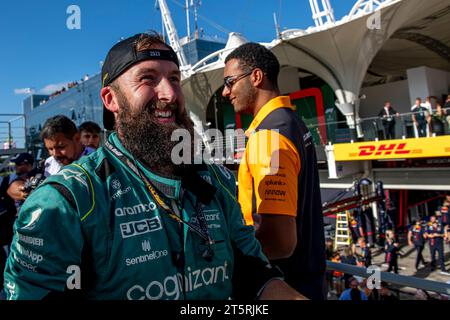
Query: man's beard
{"x": 149, "y": 140}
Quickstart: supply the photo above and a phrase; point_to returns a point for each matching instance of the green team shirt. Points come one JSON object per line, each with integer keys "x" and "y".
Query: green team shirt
{"x": 121, "y": 240}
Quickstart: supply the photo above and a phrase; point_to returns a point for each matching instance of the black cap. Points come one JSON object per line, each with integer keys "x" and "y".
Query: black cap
{"x": 122, "y": 56}
{"x": 23, "y": 158}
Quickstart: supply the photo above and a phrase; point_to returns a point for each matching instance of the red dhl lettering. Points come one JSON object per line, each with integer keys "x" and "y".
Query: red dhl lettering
{"x": 384, "y": 149}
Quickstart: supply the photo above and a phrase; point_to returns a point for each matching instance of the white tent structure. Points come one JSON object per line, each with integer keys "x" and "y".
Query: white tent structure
{"x": 377, "y": 36}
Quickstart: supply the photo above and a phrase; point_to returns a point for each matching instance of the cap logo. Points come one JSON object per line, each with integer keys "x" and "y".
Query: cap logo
{"x": 154, "y": 53}
{"x": 104, "y": 79}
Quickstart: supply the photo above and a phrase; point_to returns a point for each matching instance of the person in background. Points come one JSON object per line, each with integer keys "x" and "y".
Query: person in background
{"x": 438, "y": 121}
{"x": 283, "y": 178}
{"x": 387, "y": 115}
{"x": 356, "y": 230}
{"x": 8, "y": 209}
{"x": 329, "y": 249}
{"x": 348, "y": 257}
{"x": 445, "y": 215}
{"x": 24, "y": 170}
{"x": 446, "y": 220}
{"x": 385, "y": 292}
{"x": 392, "y": 251}
{"x": 447, "y": 111}
{"x": 337, "y": 275}
{"x": 353, "y": 293}
{"x": 363, "y": 253}
{"x": 90, "y": 134}
{"x": 62, "y": 141}
{"x": 427, "y": 104}
{"x": 420, "y": 118}
{"x": 416, "y": 238}
{"x": 435, "y": 234}
{"x": 441, "y": 218}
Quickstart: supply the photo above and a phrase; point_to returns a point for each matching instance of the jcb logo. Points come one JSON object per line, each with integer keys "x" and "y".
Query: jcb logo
{"x": 135, "y": 228}
{"x": 384, "y": 149}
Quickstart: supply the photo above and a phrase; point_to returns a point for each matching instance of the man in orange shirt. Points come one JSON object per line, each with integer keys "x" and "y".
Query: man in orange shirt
{"x": 278, "y": 177}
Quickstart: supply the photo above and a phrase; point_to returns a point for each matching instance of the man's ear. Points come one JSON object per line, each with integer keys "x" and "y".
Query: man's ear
{"x": 257, "y": 77}
{"x": 109, "y": 99}
{"x": 76, "y": 137}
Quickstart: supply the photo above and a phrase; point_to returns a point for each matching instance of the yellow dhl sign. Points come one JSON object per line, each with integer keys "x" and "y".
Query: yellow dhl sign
{"x": 394, "y": 149}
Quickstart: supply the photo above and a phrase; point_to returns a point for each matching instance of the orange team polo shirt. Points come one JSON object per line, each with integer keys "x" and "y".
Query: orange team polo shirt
{"x": 269, "y": 168}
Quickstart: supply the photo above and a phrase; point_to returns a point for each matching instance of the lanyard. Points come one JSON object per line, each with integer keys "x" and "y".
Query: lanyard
{"x": 201, "y": 230}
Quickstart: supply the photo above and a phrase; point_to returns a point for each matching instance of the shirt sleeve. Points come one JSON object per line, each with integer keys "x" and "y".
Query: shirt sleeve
{"x": 274, "y": 163}
{"x": 47, "y": 241}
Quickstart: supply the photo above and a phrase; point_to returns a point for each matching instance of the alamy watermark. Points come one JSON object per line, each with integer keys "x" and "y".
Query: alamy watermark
{"x": 74, "y": 280}
{"x": 374, "y": 21}
{"x": 73, "y": 21}
{"x": 215, "y": 147}
{"x": 374, "y": 280}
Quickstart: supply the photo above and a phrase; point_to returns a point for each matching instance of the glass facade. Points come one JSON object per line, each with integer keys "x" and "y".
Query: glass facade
{"x": 33, "y": 101}
{"x": 196, "y": 50}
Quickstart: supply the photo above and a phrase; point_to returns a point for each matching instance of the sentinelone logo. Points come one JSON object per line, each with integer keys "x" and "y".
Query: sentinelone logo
{"x": 154, "y": 255}
{"x": 171, "y": 286}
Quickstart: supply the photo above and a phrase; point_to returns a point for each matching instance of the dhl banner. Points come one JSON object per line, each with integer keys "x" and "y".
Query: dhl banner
{"x": 393, "y": 149}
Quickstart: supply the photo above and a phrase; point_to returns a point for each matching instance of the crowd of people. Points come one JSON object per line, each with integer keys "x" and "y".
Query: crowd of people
{"x": 429, "y": 118}
{"x": 436, "y": 232}
{"x": 70, "y": 85}
{"x": 432, "y": 230}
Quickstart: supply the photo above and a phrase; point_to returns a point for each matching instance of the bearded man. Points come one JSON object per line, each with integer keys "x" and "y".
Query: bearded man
{"x": 125, "y": 222}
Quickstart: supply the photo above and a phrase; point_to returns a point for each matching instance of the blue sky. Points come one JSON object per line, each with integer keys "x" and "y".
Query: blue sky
{"x": 40, "y": 52}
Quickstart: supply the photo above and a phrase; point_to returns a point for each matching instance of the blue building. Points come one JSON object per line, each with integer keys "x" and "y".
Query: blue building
{"x": 196, "y": 50}
{"x": 80, "y": 103}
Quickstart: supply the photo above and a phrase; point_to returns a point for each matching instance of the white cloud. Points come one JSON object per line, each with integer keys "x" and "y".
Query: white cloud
{"x": 23, "y": 91}
{"x": 50, "y": 88}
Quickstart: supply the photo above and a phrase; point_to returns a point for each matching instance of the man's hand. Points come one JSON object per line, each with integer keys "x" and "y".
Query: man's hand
{"x": 279, "y": 290}
{"x": 16, "y": 192}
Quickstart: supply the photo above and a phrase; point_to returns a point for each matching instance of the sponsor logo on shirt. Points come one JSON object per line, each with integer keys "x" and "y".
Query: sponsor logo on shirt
{"x": 31, "y": 240}
{"x": 210, "y": 217}
{"x": 35, "y": 216}
{"x": 119, "y": 192}
{"x": 149, "y": 256}
{"x": 33, "y": 256}
{"x": 172, "y": 286}
{"x": 23, "y": 263}
{"x": 146, "y": 245}
{"x": 72, "y": 174}
{"x": 134, "y": 210}
{"x": 116, "y": 184}
{"x": 136, "y": 228}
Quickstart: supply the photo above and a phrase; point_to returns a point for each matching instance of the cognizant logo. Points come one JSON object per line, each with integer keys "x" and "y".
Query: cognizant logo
{"x": 171, "y": 286}
{"x": 137, "y": 209}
